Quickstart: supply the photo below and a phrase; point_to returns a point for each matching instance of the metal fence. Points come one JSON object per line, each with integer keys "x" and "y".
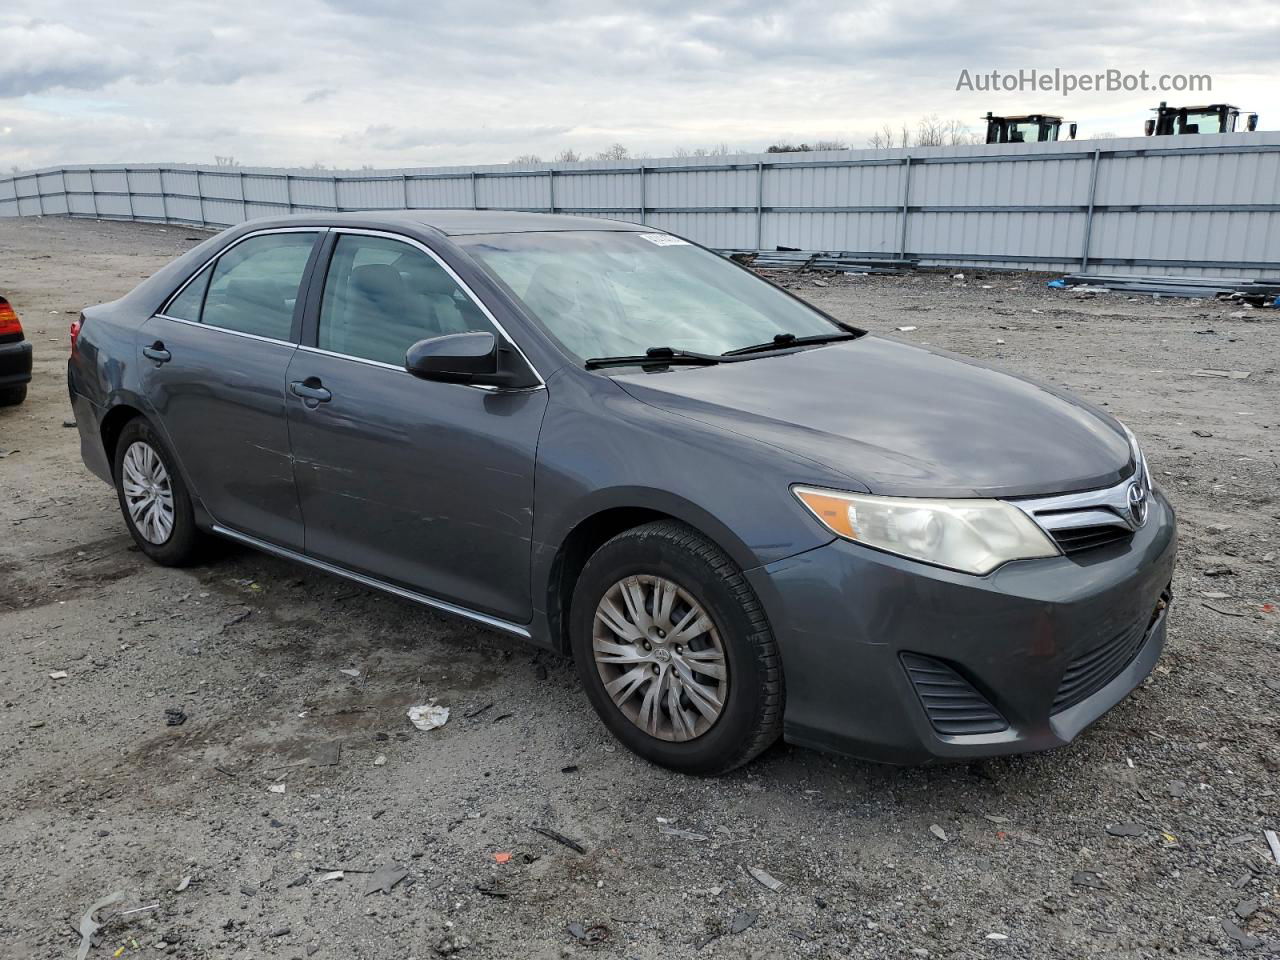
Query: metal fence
{"x": 1201, "y": 205}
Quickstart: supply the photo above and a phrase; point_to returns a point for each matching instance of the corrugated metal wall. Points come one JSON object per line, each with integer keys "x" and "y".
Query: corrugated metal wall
{"x": 1201, "y": 205}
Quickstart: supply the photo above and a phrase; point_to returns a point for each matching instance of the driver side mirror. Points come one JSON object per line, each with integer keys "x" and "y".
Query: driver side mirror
{"x": 470, "y": 358}
{"x": 1071, "y": 132}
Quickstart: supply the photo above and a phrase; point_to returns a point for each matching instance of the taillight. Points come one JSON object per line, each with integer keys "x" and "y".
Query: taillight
{"x": 9, "y": 323}
{"x": 76, "y": 324}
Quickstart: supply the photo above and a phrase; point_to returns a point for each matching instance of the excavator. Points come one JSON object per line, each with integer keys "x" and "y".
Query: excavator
{"x": 1213, "y": 118}
{"x": 1032, "y": 128}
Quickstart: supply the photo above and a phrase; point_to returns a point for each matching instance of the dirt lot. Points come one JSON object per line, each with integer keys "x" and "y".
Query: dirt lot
{"x": 99, "y": 795}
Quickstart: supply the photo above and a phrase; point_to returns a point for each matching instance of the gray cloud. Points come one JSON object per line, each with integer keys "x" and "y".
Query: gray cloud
{"x": 39, "y": 56}
{"x": 400, "y": 82}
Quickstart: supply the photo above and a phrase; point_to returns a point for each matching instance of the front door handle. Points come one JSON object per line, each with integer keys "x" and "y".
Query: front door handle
{"x": 157, "y": 352}
{"x": 311, "y": 390}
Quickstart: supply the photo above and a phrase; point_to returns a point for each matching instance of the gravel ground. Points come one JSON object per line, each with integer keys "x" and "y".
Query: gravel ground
{"x": 287, "y": 768}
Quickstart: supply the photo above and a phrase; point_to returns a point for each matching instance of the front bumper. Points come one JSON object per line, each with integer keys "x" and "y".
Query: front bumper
{"x": 15, "y": 363}
{"x": 844, "y": 615}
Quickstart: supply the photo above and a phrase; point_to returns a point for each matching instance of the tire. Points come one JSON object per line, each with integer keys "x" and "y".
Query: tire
{"x": 12, "y": 396}
{"x": 749, "y": 718}
{"x": 178, "y": 543}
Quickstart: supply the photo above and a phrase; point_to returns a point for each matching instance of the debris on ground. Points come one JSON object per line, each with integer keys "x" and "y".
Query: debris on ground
{"x": 174, "y": 717}
{"x": 351, "y": 672}
{"x": 766, "y": 879}
{"x": 1273, "y": 841}
{"x": 906, "y": 329}
{"x": 669, "y": 831}
{"x": 385, "y": 878}
{"x": 597, "y": 933}
{"x": 560, "y": 838}
{"x": 332, "y": 875}
{"x": 742, "y": 920}
{"x": 429, "y": 716}
{"x": 1087, "y": 878}
{"x": 1247, "y": 941}
{"x": 1226, "y": 374}
{"x": 1222, "y": 610}
{"x": 451, "y": 944}
{"x": 1126, "y": 829}
{"x": 938, "y": 832}
{"x": 182, "y": 884}
{"x": 276, "y": 788}
{"x": 492, "y": 887}
{"x": 89, "y": 924}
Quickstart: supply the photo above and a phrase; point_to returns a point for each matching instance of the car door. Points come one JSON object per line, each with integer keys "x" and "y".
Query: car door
{"x": 213, "y": 365}
{"x": 423, "y": 484}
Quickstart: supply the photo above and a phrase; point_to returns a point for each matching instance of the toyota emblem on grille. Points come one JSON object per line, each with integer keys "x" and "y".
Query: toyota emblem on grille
{"x": 1137, "y": 497}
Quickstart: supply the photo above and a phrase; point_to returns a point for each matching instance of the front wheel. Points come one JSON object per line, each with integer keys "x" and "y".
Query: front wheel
{"x": 12, "y": 396}
{"x": 154, "y": 500}
{"x": 675, "y": 651}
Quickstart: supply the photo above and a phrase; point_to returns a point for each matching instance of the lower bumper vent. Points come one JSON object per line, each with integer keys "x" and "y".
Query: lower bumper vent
{"x": 953, "y": 706}
{"x": 1094, "y": 669}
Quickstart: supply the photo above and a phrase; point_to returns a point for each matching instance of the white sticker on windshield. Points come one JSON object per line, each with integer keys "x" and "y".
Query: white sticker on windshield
{"x": 665, "y": 240}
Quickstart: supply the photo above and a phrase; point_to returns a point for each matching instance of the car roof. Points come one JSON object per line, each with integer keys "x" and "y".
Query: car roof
{"x": 456, "y": 223}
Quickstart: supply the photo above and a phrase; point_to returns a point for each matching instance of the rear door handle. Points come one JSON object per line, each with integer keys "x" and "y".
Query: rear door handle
{"x": 311, "y": 390}
{"x": 157, "y": 352}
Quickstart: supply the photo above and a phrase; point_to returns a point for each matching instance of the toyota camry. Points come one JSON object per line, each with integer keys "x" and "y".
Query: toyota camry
{"x": 743, "y": 519}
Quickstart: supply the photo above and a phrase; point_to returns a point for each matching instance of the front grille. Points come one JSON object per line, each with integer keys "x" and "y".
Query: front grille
{"x": 1094, "y": 669}
{"x": 954, "y": 707}
{"x": 1075, "y": 539}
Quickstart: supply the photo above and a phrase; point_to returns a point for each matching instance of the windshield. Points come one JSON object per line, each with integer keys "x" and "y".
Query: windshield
{"x": 610, "y": 294}
{"x": 1208, "y": 121}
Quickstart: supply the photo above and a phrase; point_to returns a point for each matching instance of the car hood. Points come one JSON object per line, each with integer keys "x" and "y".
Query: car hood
{"x": 902, "y": 420}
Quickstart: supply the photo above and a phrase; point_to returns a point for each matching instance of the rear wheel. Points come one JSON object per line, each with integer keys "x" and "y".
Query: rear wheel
{"x": 154, "y": 500}
{"x": 675, "y": 652}
{"x": 12, "y": 396}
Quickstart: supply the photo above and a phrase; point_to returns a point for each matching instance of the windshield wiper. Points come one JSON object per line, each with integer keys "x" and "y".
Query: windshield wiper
{"x": 655, "y": 356}
{"x": 782, "y": 341}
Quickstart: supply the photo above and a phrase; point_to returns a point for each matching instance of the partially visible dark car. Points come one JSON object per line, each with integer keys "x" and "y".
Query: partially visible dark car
{"x": 742, "y": 518}
{"x": 15, "y": 357}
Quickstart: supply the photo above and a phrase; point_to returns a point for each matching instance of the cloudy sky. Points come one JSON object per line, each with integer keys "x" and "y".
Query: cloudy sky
{"x": 421, "y": 82}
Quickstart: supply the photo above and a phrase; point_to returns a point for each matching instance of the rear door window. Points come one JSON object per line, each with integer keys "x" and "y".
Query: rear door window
{"x": 187, "y": 304}
{"x": 253, "y": 287}
{"x": 382, "y": 296}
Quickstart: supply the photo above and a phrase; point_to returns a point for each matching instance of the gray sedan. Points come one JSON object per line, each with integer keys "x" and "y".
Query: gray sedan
{"x": 743, "y": 518}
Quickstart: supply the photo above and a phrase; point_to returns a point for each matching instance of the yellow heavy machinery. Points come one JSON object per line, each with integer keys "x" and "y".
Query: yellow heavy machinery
{"x": 1032, "y": 128}
{"x": 1213, "y": 118}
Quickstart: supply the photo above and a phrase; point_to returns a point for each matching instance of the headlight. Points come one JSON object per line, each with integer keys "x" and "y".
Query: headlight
{"x": 973, "y": 536}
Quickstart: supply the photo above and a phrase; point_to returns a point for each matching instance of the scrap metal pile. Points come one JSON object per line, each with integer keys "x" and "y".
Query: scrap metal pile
{"x": 839, "y": 261}
{"x": 1259, "y": 293}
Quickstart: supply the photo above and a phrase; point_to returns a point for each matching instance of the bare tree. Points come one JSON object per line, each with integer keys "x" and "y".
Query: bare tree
{"x": 567, "y": 156}
{"x": 225, "y": 161}
{"x": 613, "y": 152}
{"x": 527, "y": 158}
{"x": 931, "y": 131}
